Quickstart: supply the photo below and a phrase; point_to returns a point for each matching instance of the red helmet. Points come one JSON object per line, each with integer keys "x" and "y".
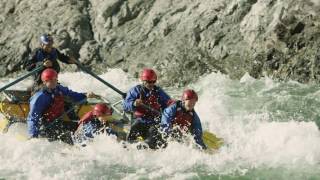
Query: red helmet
{"x": 189, "y": 94}
{"x": 49, "y": 74}
{"x": 101, "y": 109}
{"x": 148, "y": 75}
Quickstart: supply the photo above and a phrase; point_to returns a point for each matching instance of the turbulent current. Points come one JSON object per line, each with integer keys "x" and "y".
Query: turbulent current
{"x": 269, "y": 128}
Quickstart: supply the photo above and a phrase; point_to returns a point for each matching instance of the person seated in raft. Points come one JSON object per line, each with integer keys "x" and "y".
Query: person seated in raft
{"x": 178, "y": 120}
{"x": 94, "y": 122}
{"x": 145, "y": 101}
{"x": 47, "y": 108}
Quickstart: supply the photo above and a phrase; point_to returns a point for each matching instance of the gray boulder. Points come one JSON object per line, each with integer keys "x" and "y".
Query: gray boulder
{"x": 181, "y": 39}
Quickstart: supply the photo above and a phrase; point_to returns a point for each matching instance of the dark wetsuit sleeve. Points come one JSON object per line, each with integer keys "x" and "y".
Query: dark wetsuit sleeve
{"x": 62, "y": 57}
{"x": 32, "y": 63}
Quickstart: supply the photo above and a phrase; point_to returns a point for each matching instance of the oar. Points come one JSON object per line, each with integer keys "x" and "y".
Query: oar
{"x": 211, "y": 140}
{"x": 22, "y": 78}
{"x": 151, "y": 109}
{"x": 112, "y": 87}
{"x": 66, "y": 112}
{"x": 10, "y": 97}
{"x": 100, "y": 79}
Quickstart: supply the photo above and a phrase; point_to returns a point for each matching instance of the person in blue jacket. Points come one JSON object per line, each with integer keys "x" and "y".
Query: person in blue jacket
{"x": 145, "y": 101}
{"x": 47, "y": 105}
{"x": 46, "y": 55}
{"x": 94, "y": 122}
{"x": 180, "y": 119}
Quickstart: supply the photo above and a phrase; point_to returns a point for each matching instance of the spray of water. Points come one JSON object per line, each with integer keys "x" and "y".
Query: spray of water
{"x": 265, "y": 129}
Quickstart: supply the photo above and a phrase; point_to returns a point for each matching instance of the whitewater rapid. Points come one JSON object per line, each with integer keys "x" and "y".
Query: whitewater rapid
{"x": 268, "y": 127}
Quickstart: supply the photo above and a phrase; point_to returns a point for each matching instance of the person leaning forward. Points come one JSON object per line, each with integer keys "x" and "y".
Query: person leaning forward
{"x": 178, "y": 120}
{"x": 94, "y": 122}
{"x": 139, "y": 100}
{"x": 47, "y": 105}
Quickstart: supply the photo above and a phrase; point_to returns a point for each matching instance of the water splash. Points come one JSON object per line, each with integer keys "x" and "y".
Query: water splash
{"x": 268, "y": 128}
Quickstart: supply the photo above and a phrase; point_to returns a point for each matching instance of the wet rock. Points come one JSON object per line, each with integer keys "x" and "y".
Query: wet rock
{"x": 181, "y": 39}
{"x": 89, "y": 53}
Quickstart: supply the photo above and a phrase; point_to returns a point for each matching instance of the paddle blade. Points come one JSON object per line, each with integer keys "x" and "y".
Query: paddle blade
{"x": 21, "y": 137}
{"x": 4, "y": 125}
{"x": 211, "y": 140}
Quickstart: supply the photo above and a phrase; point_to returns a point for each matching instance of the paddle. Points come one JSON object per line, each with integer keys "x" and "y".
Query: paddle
{"x": 111, "y": 86}
{"x": 151, "y": 109}
{"x": 70, "y": 141}
{"x": 66, "y": 112}
{"x": 22, "y": 78}
{"x": 211, "y": 140}
{"x": 100, "y": 79}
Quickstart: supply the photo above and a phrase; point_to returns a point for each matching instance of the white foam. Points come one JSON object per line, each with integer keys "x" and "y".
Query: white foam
{"x": 256, "y": 135}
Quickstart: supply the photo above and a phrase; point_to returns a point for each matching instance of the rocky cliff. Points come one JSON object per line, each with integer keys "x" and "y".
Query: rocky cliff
{"x": 182, "y": 39}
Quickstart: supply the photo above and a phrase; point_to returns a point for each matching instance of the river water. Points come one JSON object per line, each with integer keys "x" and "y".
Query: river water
{"x": 269, "y": 128}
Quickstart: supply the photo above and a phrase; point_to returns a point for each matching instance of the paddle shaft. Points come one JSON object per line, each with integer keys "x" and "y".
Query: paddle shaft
{"x": 66, "y": 112}
{"x": 111, "y": 86}
{"x": 151, "y": 109}
{"x": 100, "y": 79}
{"x": 22, "y": 78}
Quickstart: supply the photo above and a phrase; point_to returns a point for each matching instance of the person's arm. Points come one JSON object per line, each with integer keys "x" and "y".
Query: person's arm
{"x": 197, "y": 131}
{"x": 64, "y": 58}
{"x": 86, "y": 118}
{"x": 31, "y": 62}
{"x": 38, "y": 104}
{"x": 164, "y": 98}
{"x": 132, "y": 95}
{"x": 89, "y": 130}
{"x": 167, "y": 117}
{"x": 74, "y": 95}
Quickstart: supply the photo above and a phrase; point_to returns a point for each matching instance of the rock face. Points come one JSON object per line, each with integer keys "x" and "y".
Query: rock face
{"x": 181, "y": 39}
